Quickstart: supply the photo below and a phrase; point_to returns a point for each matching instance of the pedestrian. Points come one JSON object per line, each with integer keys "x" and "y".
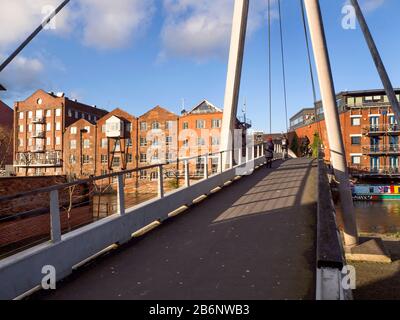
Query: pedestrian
{"x": 269, "y": 148}
{"x": 285, "y": 148}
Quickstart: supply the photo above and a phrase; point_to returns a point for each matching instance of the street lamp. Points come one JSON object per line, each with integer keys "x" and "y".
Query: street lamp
{"x": 82, "y": 131}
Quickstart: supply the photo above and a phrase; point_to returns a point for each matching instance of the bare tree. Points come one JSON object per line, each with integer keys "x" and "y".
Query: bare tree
{"x": 5, "y": 145}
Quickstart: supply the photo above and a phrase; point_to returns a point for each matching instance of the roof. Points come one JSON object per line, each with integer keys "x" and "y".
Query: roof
{"x": 158, "y": 108}
{"x": 205, "y": 107}
{"x": 304, "y": 110}
{"x": 119, "y": 113}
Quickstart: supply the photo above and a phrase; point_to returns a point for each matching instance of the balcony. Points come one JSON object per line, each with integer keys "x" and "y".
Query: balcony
{"x": 47, "y": 159}
{"x": 39, "y": 135}
{"x": 374, "y": 171}
{"x": 390, "y": 149}
{"x": 382, "y": 129}
{"x": 38, "y": 149}
{"x": 39, "y": 120}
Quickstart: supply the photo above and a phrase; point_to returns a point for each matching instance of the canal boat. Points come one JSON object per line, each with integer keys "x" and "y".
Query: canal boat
{"x": 376, "y": 192}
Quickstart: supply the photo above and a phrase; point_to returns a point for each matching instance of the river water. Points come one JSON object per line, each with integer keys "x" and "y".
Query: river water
{"x": 376, "y": 217}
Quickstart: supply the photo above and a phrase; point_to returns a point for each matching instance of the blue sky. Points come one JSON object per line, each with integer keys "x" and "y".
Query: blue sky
{"x": 141, "y": 53}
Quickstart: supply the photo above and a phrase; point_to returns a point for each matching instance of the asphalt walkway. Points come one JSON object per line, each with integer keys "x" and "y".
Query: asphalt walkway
{"x": 255, "y": 239}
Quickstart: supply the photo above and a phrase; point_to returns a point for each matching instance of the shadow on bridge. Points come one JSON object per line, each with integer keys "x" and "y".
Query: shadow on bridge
{"x": 255, "y": 239}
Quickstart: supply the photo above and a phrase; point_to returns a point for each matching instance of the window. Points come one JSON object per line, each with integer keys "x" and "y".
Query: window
{"x": 72, "y": 144}
{"x": 116, "y": 161}
{"x": 129, "y": 158}
{"x": 103, "y": 172}
{"x": 129, "y": 175}
{"x": 30, "y": 142}
{"x": 169, "y": 124}
{"x": 215, "y": 141}
{"x": 143, "y": 126}
{"x": 356, "y": 160}
{"x": 58, "y": 141}
{"x": 356, "y": 141}
{"x": 185, "y": 125}
{"x": 30, "y": 128}
{"x": 48, "y": 126}
{"x": 154, "y": 175}
{"x": 86, "y": 143}
{"x": 129, "y": 142}
{"x": 74, "y": 130}
{"x": 201, "y": 142}
{"x": 129, "y": 127}
{"x": 186, "y": 143}
{"x": 143, "y": 174}
{"x": 70, "y": 113}
{"x": 72, "y": 159}
{"x": 48, "y": 113}
{"x": 21, "y": 142}
{"x": 155, "y": 125}
{"x": 58, "y": 112}
{"x": 48, "y": 141}
{"x": 76, "y": 115}
{"x": 58, "y": 126}
{"x": 21, "y": 128}
{"x": 103, "y": 128}
{"x": 86, "y": 159}
{"x": 104, "y": 143}
{"x": 89, "y": 117}
{"x": 87, "y": 128}
{"x": 155, "y": 142}
{"x": 104, "y": 159}
{"x": 143, "y": 142}
{"x": 216, "y": 123}
{"x": 21, "y": 115}
{"x": 168, "y": 156}
{"x": 168, "y": 140}
{"x": 200, "y": 124}
{"x": 355, "y": 122}
{"x": 30, "y": 114}
{"x": 143, "y": 157}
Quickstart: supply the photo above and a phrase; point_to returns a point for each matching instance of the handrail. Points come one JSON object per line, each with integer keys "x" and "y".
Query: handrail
{"x": 106, "y": 176}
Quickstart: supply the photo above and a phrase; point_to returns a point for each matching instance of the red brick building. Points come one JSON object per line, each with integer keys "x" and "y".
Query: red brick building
{"x": 40, "y": 122}
{"x": 6, "y": 125}
{"x": 370, "y": 131}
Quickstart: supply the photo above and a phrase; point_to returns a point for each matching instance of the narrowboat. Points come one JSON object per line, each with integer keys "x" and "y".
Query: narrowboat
{"x": 376, "y": 192}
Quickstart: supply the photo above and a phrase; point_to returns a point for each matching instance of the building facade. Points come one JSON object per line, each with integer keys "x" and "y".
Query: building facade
{"x": 370, "y": 132}
{"x": 56, "y": 136}
{"x": 40, "y": 124}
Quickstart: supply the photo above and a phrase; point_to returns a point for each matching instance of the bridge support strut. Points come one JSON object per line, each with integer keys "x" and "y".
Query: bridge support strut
{"x": 338, "y": 155}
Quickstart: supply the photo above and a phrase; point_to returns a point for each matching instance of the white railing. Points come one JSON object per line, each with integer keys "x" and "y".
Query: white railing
{"x": 22, "y": 272}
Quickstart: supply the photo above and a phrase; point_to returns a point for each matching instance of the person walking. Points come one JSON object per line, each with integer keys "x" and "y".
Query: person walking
{"x": 269, "y": 152}
{"x": 285, "y": 148}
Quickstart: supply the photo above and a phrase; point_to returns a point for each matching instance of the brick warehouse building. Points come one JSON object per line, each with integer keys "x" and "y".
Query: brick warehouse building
{"x": 6, "y": 125}
{"x": 40, "y": 122}
{"x": 57, "y": 136}
{"x": 370, "y": 131}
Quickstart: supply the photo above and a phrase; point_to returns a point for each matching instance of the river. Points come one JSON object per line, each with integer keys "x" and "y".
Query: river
{"x": 376, "y": 217}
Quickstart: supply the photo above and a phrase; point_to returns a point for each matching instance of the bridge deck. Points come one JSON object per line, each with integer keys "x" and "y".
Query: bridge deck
{"x": 255, "y": 239}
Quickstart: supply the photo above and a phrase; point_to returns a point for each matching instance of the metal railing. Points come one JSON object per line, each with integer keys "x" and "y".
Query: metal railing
{"x": 124, "y": 222}
{"x": 39, "y": 134}
{"x": 381, "y": 149}
{"x": 382, "y": 128}
{"x": 39, "y": 120}
{"x": 369, "y": 170}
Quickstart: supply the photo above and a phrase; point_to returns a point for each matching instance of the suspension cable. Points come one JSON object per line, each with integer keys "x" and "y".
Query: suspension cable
{"x": 310, "y": 67}
{"x": 269, "y": 66}
{"x": 283, "y": 67}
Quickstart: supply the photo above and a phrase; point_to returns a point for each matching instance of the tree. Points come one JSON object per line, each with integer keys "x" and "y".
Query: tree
{"x": 317, "y": 143}
{"x": 5, "y": 145}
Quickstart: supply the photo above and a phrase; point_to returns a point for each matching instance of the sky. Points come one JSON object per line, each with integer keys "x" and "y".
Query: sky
{"x": 136, "y": 54}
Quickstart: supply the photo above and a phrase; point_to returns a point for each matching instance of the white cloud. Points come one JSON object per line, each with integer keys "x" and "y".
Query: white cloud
{"x": 201, "y": 29}
{"x": 23, "y": 75}
{"x": 112, "y": 24}
{"x": 371, "y": 5}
